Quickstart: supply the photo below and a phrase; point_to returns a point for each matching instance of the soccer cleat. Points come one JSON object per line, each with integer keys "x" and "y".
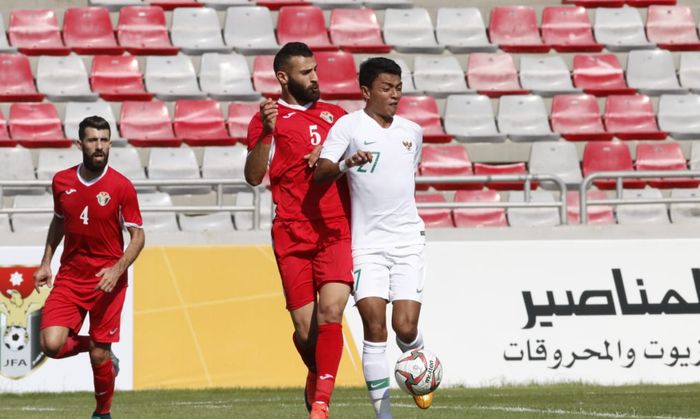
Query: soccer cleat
{"x": 115, "y": 363}
{"x": 309, "y": 389}
{"x": 96, "y": 415}
{"x": 424, "y": 401}
{"x": 319, "y": 410}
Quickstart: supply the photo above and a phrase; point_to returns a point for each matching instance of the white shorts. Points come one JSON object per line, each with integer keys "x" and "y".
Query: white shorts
{"x": 395, "y": 273}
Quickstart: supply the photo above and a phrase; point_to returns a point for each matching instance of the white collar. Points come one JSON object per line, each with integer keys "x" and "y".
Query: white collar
{"x": 93, "y": 181}
{"x": 297, "y": 107}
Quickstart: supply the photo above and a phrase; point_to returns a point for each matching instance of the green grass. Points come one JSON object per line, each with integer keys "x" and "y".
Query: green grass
{"x": 569, "y": 401}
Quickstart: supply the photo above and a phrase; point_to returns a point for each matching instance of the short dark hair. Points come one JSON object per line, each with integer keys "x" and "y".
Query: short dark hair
{"x": 289, "y": 50}
{"x": 371, "y": 69}
{"x": 94, "y": 121}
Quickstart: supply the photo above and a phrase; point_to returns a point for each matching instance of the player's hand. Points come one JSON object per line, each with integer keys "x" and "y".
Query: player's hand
{"x": 110, "y": 276}
{"x": 268, "y": 113}
{"x": 43, "y": 276}
{"x": 359, "y": 158}
{"x": 312, "y": 157}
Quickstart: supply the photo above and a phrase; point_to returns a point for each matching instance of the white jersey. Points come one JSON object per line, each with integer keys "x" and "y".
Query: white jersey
{"x": 383, "y": 203}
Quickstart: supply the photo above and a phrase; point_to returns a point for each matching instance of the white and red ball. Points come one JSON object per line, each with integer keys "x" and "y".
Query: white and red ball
{"x": 418, "y": 372}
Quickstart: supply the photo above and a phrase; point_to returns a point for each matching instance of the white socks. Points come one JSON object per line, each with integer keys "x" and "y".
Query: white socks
{"x": 376, "y": 370}
{"x": 416, "y": 344}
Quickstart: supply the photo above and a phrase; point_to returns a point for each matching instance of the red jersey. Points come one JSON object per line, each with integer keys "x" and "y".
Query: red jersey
{"x": 93, "y": 214}
{"x": 298, "y": 130}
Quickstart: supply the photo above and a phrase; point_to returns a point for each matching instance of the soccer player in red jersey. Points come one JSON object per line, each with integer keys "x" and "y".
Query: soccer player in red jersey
{"x": 311, "y": 229}
{"x": 92, "y": 204}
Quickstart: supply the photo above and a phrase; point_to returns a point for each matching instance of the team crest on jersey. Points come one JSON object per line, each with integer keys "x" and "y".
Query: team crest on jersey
{"x": 408, "y": 145}
{"x": 327, "y": 116}
{"x": 103, "y": 198}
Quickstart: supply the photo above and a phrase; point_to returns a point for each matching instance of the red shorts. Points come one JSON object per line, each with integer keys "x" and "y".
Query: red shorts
{"x": 67, "y": 306}
{"x": 310, "y": 254}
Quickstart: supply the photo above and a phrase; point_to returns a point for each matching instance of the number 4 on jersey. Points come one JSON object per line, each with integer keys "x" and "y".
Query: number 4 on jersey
{"x": 84, "y": 215}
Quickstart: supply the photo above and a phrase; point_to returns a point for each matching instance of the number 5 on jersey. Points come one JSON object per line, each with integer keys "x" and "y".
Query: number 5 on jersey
{"x": 84, "y": 215}
{"x": 315, "y": 136}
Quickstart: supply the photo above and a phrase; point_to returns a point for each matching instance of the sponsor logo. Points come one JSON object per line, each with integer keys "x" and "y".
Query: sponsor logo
{"x": 289, "y": 115}
{"x": 70, "y": 191}
{"x": 407, "y": 144}
{"x": 103, "y": 198}
{"x": 326, "y": 377}
{"x": 113, "y": 331}
{"x": 369, "y": 142}
{"x": 327, "y": 116}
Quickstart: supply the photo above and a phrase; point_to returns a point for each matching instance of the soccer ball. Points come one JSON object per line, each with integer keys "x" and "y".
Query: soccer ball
{"x": 15, "y": 338}
{"x": 418, "y": 372}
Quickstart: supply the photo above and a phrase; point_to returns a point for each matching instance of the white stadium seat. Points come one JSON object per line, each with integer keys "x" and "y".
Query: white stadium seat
{"x": 115, "y": 5}
{"x": 126, "y": 161}
{"x": 685, "y": 213}
{"x": 196, "y": 30}
{"x": 642, "y": 213}
{"x": 225, "y": 163}
{"x": 556, "y": 158}
{"x": 438, "y": 76}
{"x": 63, "y": 79}
{"x": 32, "y": 223}
{"x": 51, "y": 160}
{"x": 172, "y": 77}
{"x": 157, "y": 221}
{"x": 4, "y": 45}
{"x": 462, "y": 30}
{"x": 16, "y": 164}
{"x": 244, "y": 220}
{"x": 216, "y": 222}
{"x": 225, "y": 4}
{"x": 524, "y": 118}
{"x": 694, "y": 162}
{"x": 410, "y": 30}
{"x": 679, "y": 115}
{"x": 652, "y": 72}
{"x": 532, "y": 217}
{"x": 620, "y": 29}
{"x": 249, "y": 30}
{"x": 175, "y": 163}
{"x": 470, "y": 118}
{"x": 77, "y": 111}
{"x": 409, "y": 87}
{"x": 546, "y": 75}
{"x": 689, "y": 71}
{"x": 337, "y": 4}
{"x": 383, "y": 4}
{"x": 226, "y": 77}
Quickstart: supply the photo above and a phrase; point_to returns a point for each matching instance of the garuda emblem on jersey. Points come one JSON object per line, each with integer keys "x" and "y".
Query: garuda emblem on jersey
{"x": 103, "y": 198}
{"x": 408, "y": 145}
{"x": 327, "y": 116}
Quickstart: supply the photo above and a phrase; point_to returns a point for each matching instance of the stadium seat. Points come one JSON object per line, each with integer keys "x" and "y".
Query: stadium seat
{"x": 514, "y": 29}
{"x": 4, "y": 44}
{"x": 278, "y": 4}
{"x": 609, "y": 157}
{"x": 115, "y": 5}
{"x": 239, "y": 116}
{"x": 652, "y": 72}
{"x": 89, "y": 31}
{"x": 175, "y": 163}
{"x": 357, "y": 31}
{"x": 175, "y": 4}
{"x": 35, "y": 125}
{"x": 620, "y": 29}
{"x": 483, "y": 169}
{"x": 662, "y": 157}
{"x": 410, "y": 31}
{"x": 249, "y": 30}
{"x": 672, "y": 28}
{"x": 546, "y": 75}
{"x": 462, "y": 30}
{"x": 577, "y": 118}
{"x": 447, "y": 160}
{"x": 226, "y": 77}
{"x": 51, "y": 161}
{"x": 225, "y": 163}
{"x": 225, "y": 4}
{"x": 32, "y": 223}
{"x": 304, "y": 24}
{"x": 679, "y": 115}
{"x": 600, "y": 75}
{"x": 642, "y": 214}
{"x": 689, "y": 71}
{"x": 5, "y": 227}
{"x": 157, "y": 221}
{"x": 118, "y": 78}
{"x": 5, "y": 140}
{"x": 597, "y": 214}
{"x": 524, "y": 118}
{"x": 64, "y": 78}
{"x": 493, "y": 75}
{"x": 264, "y": 78}
{"x": 568, "y": 29}
{"x": 142, "y": 31}
{"x": 200, "y": 123}
{"x": 532, "y": 217}
{"x": 16, "y": 80}
{"x": 337, "y": 76}
{"x": 197, "y": 30}
{"x": 126, "y": 161}
{"x": 171, "y": 78}
{"x": 215, "y": 222}
{"x": 631, "y": 117}
{"x": 147, "y": 124}
{"x": 479, "y": 217}
{"x": 423, "y": 110}
{"x": 685, "y": 213}
{"x": 409, "y": 88}
{"x": 556, "y": 158}
{"x": 36, "y": 32}
{"x": 351, "y": 106}
{"x": 438, "y": 76}
{"x": 694, "y": 161}
{"x": 16, "y": 164}
{"x": 75, "y": 112}
{"x": 434, "y": 217}
{"x": 337, "y": 4}
{"x": 244, "y": 220}
{"x": 470, "y": 118}
{"x": 385, "y": 4}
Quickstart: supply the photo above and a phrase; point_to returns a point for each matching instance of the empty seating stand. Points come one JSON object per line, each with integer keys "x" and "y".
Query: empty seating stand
{"x": 239, "y": 116}
{"x": 172, "y": 78}
{"x": 196, "y": 31}
{"x": 577, "y": 118}
{"x": 479, "y": 217}
{"x": 63, "y": 78}
{"x": 438, "y": 76}
{"x": 36, "y": 125}
{"x": 447, "y": 160}
{"x": 423, "y": 110}
{"x": 545, "y": 75}
{"x": 672, "y": 28}
{"x": 532, "y": 217}
{"x": 89, "y": 31}
{"x": 524, "y": 118}
{"x": 609, "y": 157}
{"x": 172, "y": 4}
{"x": 597, "y": 214}
{"x": 679, "y": 115}
{"x": 304, "y": 24}
{"x": 493, "y": 74}
{"x": 411, "y": 31}
{"x": 462, "y": 30}
{"x": 600, "y": 75}
{"x": 661, "y": 157}
{"x": 470, "y": 118}
{"x": 118, "y": 78}
{"x": 249, "y": 30}
{"x": 264, "y": 79}
{"x": 514, "y": 29}
{"x": 568, "y": 29}
{"x": 16, "y": 80}
{"x": 147, "y": 124}
{"x": 643, "y": 214}
{"x": 652, "y": 72}
{"x": 357, "y": 31}
{"x": 142, "y": 31}
{"x": 337, "y": 77}
{"x": 434, "y": 217}
{"x": 556, "y": 158}
{"x": 200, "y": 123}
{"x": 36, "y": 32}
{"x": 631, "y": 117}
{"x": 483, "y": 169}
{"x": 226, "y": 77}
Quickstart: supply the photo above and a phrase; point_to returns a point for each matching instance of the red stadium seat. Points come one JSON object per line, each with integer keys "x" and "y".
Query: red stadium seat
{"x": 568, "y": 29}
{"x": 597, "y": 214}
{"x": 172, "y": 4}
{"x": 5, "y": 140}
{"x": 493, "y": 75}
{"x": 118, "y": 78}
{"x": 37, "y": 125}
{"x": 304, "y": 24}
{"x": 357, "y": 30}
{"x": 239, "y": 116}
{"x": 577, "y": 118}
{"x": 631, "y": 117}
{"x": 595, "y": 3}
{"x": 600, "y": 75}
{"x": 200, "y": 123}
{"x": 264, "y": 79}
{"x": 423, "y": 110}
{"x": 479, "y": 217}
{"x": 664, "y": 156}
{"x": 351, "y": 105}
{"x": 648, "y": 3}
{"x": 142, "y": 31}
{"x": 514, "y": 29}
{"x": 609, "y": 157}
{"x": 36, "y": 32}
{"x": 277, "y": 4}
{"x": 337, "y": 76}
{"x": 483, "y": 169}
{"x": 147, "y": 124}
{"x": 89, "y": 31}
{"x": 672, "y": 28}
{"x": 434, "y": 217}
{"x": 447, "y": 160}
{"x": 16, "y": 80}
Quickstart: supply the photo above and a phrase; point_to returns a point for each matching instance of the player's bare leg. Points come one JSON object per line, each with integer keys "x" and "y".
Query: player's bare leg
{"x": 104, "y": 374}
{"x": 404, "y": 321}
{"x": 374, "y": 362}
{"x": 58, "y": 342}
{"x": 304, "y": 338}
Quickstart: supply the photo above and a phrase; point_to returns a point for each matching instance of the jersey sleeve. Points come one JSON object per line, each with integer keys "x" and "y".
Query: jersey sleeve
{"x": 57, "y": 209}
{"x": 255, "y": 128}
{"x": 337, "y": 141}
{"x": 419, "y": 148}
{"x": 130, "y": 212}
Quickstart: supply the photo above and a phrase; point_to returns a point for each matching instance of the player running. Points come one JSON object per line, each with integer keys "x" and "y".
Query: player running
{"x": 92, "y": 203}
{"x": 380, "y": 151}
{"x": 311, "y": 230}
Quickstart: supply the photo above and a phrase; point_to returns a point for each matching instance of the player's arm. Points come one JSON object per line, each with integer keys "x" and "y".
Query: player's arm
{"x": 261, "y": 133}
{"x": 110, "y": 275}
{"x": 327, "y": 169}
{"x": 43, "y": 275}
{"x": 331, "y": 164}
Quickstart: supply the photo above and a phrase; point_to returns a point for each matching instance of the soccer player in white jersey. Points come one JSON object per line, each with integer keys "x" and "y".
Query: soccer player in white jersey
{"x": 379, "y": 152}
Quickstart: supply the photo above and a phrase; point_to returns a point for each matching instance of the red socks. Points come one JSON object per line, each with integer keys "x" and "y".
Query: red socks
{"x": 74, "y": 345}
{"x": 104, "y": 386}
{"x": 307, "y": 355}
{"x": 329, "y": 349}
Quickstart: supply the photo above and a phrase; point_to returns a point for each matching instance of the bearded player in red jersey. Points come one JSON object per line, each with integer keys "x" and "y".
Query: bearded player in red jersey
{"x": 92, "y": 204}
{"x": 311, "y": 229}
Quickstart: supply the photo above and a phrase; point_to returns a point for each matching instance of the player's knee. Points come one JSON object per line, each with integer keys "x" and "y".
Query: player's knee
{"x": 375, "y": 332}
{"x": 330, "y": 313}
{"x": 99, "y": 355}
{"x": 51, "y": 345}
{"x": 406, "y": 331}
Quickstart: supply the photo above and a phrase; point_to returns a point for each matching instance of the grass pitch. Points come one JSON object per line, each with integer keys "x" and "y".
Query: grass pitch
{"x": 567, "y": 401}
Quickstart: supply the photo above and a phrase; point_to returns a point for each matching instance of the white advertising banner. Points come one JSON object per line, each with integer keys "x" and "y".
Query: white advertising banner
{"x": 23, "y": 367}
{"x": 608, "y": 312}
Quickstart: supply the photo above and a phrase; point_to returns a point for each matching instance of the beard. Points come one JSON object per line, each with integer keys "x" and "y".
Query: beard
{"x": 301, "y": 94}
{"x": 95, "y": 166}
